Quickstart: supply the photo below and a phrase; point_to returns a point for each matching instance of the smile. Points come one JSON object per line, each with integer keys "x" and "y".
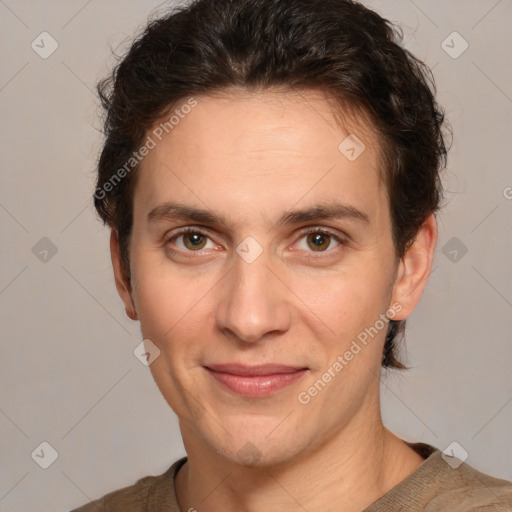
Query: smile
{"x": 255, "y": 381}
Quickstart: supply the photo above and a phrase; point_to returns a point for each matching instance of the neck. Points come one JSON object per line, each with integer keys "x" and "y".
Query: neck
{"x": 353, "y": 468}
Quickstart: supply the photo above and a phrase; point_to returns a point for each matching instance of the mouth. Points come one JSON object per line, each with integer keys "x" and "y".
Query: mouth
{"x": 255, "y": 381}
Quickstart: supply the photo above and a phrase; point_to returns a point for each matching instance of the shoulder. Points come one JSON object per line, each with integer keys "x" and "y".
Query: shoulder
{"x": 445, "y": 484}
{"x": 138, "y": 496}
{"x": 468, "y": 489}
{"x": 133, "y": 498}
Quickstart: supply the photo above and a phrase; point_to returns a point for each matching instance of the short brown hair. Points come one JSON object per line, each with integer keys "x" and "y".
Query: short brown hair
{"x": 339, "y": 46}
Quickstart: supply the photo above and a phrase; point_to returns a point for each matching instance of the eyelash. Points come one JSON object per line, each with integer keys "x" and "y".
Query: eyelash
{"x": 342, "y": 241}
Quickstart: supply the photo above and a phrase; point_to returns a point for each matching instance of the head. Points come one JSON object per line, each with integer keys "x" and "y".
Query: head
{"x": 266, "y": 116}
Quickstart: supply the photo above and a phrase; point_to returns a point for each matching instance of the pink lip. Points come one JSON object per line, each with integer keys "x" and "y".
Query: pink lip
{"x": 255, "y": 381}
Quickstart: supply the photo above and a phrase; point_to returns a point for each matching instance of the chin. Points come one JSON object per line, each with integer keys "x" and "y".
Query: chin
{"x": 252, "y": 455}
{"x": 260, "y": 445}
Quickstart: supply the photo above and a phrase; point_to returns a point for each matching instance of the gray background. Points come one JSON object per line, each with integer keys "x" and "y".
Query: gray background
{"x": 68, "y": 373}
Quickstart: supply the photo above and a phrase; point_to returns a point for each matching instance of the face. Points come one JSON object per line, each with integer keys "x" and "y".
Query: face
{"x": 262, "y": 268}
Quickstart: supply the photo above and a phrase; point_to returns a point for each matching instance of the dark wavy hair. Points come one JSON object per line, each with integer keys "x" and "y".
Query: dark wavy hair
{"x": 338, "y": 46}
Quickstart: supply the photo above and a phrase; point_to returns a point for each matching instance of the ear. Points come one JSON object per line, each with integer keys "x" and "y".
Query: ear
{"x": 123, "y": 284}
{"x": 414, "y": 269}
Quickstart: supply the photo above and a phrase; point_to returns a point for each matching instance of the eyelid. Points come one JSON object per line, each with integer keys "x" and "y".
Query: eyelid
{"x": 339, "y": 236}
{"x": 186, "y": 229}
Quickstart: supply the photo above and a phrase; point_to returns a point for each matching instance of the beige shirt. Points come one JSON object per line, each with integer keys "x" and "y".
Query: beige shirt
{"x": 435, "y": 486}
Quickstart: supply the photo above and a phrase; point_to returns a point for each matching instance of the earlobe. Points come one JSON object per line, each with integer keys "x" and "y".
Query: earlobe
{"x": 414, "y": 269}
{"x": 123, "y": 284}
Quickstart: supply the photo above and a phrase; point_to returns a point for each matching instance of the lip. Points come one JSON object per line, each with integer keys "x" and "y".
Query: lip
{"x": 255, "y": 381}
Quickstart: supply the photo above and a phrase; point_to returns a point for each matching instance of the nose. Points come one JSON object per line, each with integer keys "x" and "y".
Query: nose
{"x": 253, "y": 305}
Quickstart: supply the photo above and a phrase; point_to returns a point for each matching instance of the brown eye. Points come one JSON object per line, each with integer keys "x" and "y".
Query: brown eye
{"x": 194, "y": 241}
{"x": 318, "y": 241}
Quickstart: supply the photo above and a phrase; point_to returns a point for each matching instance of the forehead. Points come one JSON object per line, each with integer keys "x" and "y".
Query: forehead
{"x": 272, "y": 119}
{"x": 271, "y": 148}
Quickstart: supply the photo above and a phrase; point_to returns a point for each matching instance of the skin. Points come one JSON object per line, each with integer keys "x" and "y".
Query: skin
{"x": 250, "y": 157}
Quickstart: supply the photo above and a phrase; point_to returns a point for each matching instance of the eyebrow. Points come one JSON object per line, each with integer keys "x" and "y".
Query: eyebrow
{"x": 170, "y": 211}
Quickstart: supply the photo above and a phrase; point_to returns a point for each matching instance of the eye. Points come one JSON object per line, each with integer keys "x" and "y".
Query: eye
{"x": 319, "y": 240}
{"x": 191, "y": 239}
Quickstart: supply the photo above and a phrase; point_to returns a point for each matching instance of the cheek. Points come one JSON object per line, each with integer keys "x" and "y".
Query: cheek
{"x": 156, "y": 306}
{"x": 159, "y": 296}
{"x": 345, "y": 299}
{"x": 173, "y": 309}
{"x": 171, "y": 315}
{"x": 166, "y": 311}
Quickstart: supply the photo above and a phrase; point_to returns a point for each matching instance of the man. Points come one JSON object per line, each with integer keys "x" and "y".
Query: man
{"x": 270, "y": 175}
